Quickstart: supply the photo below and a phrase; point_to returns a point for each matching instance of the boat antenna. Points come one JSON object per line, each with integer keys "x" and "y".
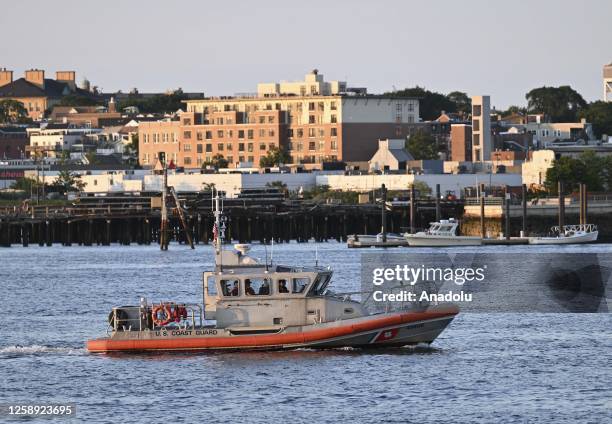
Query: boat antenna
{"x": 218, "y": 229}
{"x": 266, "y": 253}
{"x": 272, "y": 252}
{"x": 316, "y": 255}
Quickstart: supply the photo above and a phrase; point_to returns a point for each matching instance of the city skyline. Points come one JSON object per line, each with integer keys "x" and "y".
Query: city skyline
{"x": 223, "y": 50}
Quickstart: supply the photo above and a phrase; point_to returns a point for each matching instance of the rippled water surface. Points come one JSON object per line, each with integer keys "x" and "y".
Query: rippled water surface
{"x": 483, "y": 368}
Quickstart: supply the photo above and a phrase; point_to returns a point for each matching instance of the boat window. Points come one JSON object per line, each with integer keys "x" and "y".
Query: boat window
{"x": 299, "y": 284}
{"x": 256, "y": 286}
{"x": 229, "y": 287}
{"x": 282, "y": 286}
{"x": 320, "y": 284}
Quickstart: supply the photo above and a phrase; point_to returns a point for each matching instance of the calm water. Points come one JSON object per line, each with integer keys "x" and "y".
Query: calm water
{"x": 484, "y": 368}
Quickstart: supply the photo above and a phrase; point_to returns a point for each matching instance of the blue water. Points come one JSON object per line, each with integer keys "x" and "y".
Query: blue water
{"x": 483, "y": 368}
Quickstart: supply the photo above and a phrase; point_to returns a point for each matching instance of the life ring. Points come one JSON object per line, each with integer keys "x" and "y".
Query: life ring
{"x": 165, "y": 311}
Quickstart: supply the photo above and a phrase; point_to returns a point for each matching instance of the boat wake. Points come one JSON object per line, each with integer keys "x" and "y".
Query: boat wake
{"x": 39, "y": 350}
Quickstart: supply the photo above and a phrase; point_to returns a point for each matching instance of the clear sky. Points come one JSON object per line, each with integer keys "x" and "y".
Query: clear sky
{"x": 223, "y": 47}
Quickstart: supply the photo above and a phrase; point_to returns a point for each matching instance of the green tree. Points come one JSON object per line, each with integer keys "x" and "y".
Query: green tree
{"x": 24, "y": 183}
{"x": 463, "y": 103}
{"x": 161, "y": 103}
{"x": 12, "y": 112}
{"x": 591, "y": 169}
{"x": 217, "y": 161}
{"x": 281, "y": 186}
{"x": 68, "y": 181}
{"x": 274, "y": 157}
{"x": 76, "y": 100}
{"x": 423, "y": 146}
{"x": 600, "y": 115}
{"x": 430, "y": 103}
{"x": 559, "y": 104}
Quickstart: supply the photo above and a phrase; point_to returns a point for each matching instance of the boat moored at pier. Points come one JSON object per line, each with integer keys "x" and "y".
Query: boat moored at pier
{"x": 440, "y": 234}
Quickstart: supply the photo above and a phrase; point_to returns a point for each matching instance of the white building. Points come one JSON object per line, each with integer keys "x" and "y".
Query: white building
{"x": 390, "y": 156}
{"x": 313, "y": 84}
{"x": 534, "y": 170}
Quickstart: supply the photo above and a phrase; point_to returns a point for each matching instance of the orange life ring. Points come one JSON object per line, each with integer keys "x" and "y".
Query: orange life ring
{"x": 161, "y": 321}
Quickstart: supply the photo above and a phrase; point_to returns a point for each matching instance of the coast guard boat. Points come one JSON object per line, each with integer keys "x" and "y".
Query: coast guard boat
{"x": 263, "y": 306}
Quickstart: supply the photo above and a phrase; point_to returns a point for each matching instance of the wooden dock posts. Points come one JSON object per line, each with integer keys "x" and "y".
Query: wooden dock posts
{"x": 383, "y": 209}
{"x": 482, "y": 210}
{"x": 438, "y": 215}
{"x": 561, "y": 188}
{"x": 412, "y": 209}
{"x": 583, "y": 204}
{"x": 524, "y": 205}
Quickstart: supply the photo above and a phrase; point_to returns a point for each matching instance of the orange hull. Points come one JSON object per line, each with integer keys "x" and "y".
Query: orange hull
{"x": 285, "y": 340}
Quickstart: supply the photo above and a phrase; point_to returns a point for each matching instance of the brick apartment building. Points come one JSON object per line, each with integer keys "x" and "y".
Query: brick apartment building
{"x": 13, "y": 142}
{"x": 314, "y": 121}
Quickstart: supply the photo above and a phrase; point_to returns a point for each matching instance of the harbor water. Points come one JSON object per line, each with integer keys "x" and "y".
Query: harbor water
{"x": 495, "y": 367}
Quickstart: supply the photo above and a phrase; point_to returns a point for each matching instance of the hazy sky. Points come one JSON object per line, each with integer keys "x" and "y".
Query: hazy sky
{"x": 481, "y": 47}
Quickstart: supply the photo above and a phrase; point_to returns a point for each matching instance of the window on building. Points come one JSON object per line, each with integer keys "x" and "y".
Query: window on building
{"x": 262, "y": 133}
{"x": 270, "y": 119}
{"x": 250, "y": 159}
{"x": 270, "y": 133}
{"x": 321, "y": 132}
{"x": 220, "y": 147}
{"x": 311, "y": 132}
{"x": 186, "y": 135}
{"x": 290, "y": 132}
{"x": 208, "y": 148}
{"x": 229, "y": 147}
{"x": 230, "y": 159}
{"x": 477, "y": 110}
{"x": 250, "y": 134}
{"x": 333, "y": 132}
{"x": 334, "y": 119}
{"x": 475, "y": 140}
{"x": 312, "y": 145}
{"x": 262, "y": 146}
{"x": 240, "y": 134}
{"x": 334, "y": 145}
{"x": 476, "y": 125}
{"x": 198, "y": 148}
{"x": 312, "y": 119}
{"x": 321, "y": 145}
{"x": 187, "y": 160}
{"x": 262, "y": 119}
{"x": 220, "y": 134}
{"x": 300, "y": 133}
{"x": 199, "y": 160}
{"x": 333, "y": 106}
{"x": 187, "y": 147}
{"x": 250, "y": 147}
{"x": 240, "y": 158}
{"x": 241, "y": 147}
{"x": 311, "y": 106}
{"x": 208, "y": 135}
{"x": 199, "y": 136}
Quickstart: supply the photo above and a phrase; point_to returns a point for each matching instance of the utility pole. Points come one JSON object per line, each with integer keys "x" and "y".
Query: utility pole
{"x": 163, "y": 236}
{"x": 384, "y": 213}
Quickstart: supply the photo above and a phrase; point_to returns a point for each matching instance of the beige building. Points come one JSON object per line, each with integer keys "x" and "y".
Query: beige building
{"x": 37, "y": 93}
{"x": 313, "y": 85}
{"x": 312, "y": 129}
{"x": 607, "y": 83}
{"x": 534, "y": 170}
{"x": 481, "y": 128}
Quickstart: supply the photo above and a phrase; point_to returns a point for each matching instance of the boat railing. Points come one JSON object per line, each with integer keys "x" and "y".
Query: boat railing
{"x": 587, "y": 228}
{"x": 139, "y": 318}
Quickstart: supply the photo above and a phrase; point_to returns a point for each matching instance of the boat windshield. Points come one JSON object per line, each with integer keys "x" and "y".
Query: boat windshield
{"x": 320, "y": 284}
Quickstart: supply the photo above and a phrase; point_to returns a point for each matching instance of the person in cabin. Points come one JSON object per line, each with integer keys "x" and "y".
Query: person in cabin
{"x": 234, "y": 291}
{"x": 247, "y": 288}
{"x": 282, "y": 286}
{"x": 265, "y": 288}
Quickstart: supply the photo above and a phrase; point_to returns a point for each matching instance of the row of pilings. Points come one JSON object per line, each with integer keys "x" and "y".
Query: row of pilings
{"x": 244, "y": 225}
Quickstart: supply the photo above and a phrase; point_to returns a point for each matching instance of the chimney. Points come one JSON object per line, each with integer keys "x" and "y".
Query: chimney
{"x": 68, "y": 77}
{"x": 6, "y": 77}
{"x": 112, "y": 108}
{"x": 36, "y": 77}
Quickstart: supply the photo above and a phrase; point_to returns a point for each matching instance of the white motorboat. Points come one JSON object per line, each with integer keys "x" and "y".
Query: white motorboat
{"x": 571, "y": 234}
{"x": 368, "y": 240}
{"x": 442, "y": 233}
